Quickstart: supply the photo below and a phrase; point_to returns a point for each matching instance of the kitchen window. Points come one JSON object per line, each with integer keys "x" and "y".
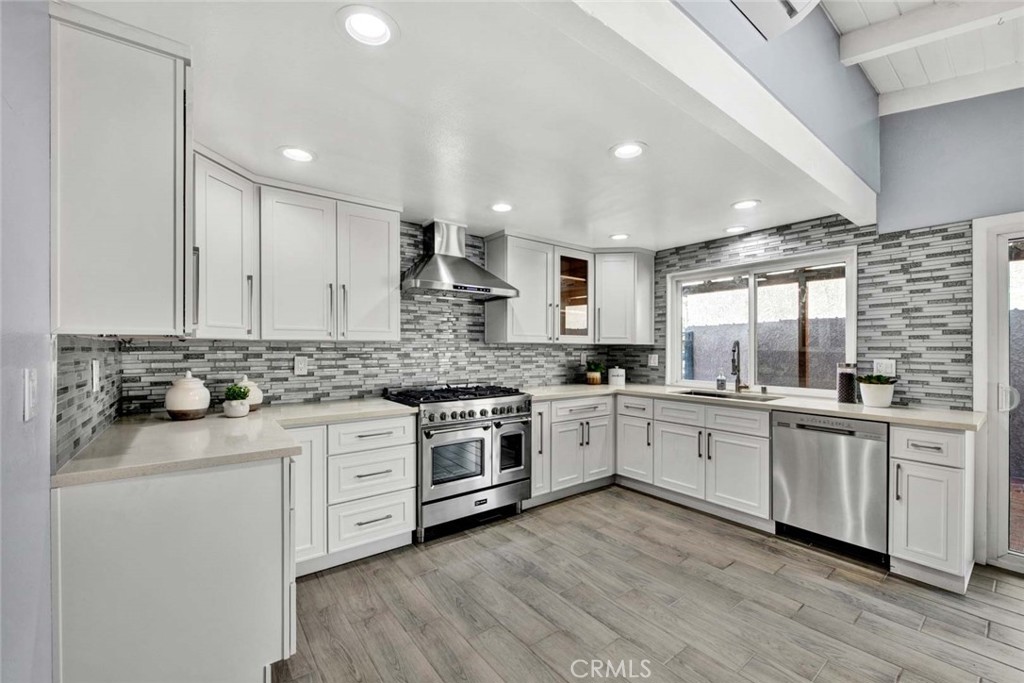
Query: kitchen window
{"x": 794, "y": 319}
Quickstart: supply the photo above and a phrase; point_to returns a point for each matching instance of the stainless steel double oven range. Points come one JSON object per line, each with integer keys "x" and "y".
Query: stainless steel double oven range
{"x": 474, "y": 450}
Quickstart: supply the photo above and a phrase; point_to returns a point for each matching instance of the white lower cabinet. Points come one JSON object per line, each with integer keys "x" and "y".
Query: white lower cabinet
{"x": 310, "y": 493}
{"x": 679, "y": 458}
{"x": 738, "y": 472}
{"x": 540, "y": 467}
{"x": 635, "y": 450}
{"x": 598, "y": 448}
{"x": 566, "y": 454}
{"x": 370, "y": 519}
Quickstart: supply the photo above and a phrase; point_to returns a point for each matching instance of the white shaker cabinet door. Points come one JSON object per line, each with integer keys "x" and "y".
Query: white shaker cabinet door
{"x": 599, "y": 448}
{"x": 926, "y": 509}
{"x": 616, "y": 300}
{"x": 369, "y": 273}
{"x": 310, "y": 474}
{"x": 531, "y": 271}
{"x": 679, "y": 458}
{"x": 118, "y": 137}
{"x": 566, "y": 454}
{"x": 738, "y": 472}
{"x": 298, "y": 234}
{"x": 634, "y": 455}
{"x": 540, "y": 470}
{"x": 226, "y": 281}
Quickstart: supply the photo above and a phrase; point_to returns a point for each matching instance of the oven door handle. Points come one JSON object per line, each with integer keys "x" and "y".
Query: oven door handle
{"x": 430, "y": 433}
{"x": 505, "y": 423}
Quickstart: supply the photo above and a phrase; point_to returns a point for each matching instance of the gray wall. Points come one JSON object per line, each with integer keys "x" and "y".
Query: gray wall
{"x": 952, "y": 162}
{"x": 25, "y": 343}
{"x": 802, "y": 69}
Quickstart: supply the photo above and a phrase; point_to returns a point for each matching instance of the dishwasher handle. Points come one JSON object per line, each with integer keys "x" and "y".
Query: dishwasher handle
{"x": 827, "y": 430}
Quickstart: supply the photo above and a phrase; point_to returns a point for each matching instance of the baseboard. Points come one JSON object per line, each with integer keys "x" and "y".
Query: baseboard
{"x": 765, "y": 525}
{"x": 932, "y": 577}
{"x": 382, "y": 545}
{"x": 566, "y": 492}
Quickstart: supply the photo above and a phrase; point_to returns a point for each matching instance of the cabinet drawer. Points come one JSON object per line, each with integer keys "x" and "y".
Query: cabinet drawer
{"x": 349, "y": 437}
{"x": 925, "y": 445}
{"x": 637, "y": 407}
{"x": 752, "y": 422}
{"x": 679, "y": 412}
{"x": 358, "y": 475}
{"x": 370, "y": 519}
{"x": 579, "y": 408}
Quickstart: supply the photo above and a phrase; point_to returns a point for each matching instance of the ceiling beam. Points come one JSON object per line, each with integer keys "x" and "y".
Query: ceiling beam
{"x": 923, "y": 26}
{"x": 1008, "y": 77}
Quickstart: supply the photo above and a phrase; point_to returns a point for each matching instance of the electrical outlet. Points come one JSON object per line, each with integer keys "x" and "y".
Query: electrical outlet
{"x": 583, "y": 358}
{"x": 885, "y": 367}
{"x": 95, "y": 375}
{"x": 30, "y": 383}
{"x": 652, "y": 360}
{"x": 301, "y": 365}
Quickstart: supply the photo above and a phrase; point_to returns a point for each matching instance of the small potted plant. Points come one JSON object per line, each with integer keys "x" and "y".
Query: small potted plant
{"x": 876, "y": 390}
{"x": 235, "y": 403}
{"x": 594, "y": 370}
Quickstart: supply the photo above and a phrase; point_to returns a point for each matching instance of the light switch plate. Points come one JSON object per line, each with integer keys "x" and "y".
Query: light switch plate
{"x": 301, "y": 365}
{"x": 31, "y": 387}
{"x": 583, "y": 358}
{"x": 95, "y": 375}
{"x": 652, "y": 360}
{"x": 884, "y": 366}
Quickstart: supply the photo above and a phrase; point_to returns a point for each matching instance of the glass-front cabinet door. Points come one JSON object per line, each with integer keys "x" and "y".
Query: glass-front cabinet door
{"x": 574, "y": 286}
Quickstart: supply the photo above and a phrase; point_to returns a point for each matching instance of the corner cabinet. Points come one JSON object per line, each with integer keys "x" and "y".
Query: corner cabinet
{"x": 530, "y": 267}
{"x": 119, "y": 144}
{"x": 225, "y": 256}
{"x": 624, "y": 298}
{"x": 330, "y": 270}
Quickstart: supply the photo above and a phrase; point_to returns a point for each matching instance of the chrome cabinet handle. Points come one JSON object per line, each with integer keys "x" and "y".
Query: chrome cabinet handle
{"x": 547, "y": 323}
{"x": 343, "y": 317}
{"x": 373, "y": 521}
{"x": 558, "y": 334}
{"x": 588, "y": 432}
{"x": 540, "y": 450}
{"x": 585, "y": 409}
{"x": 373, "y": 474}
{"x": 374, "y": 435}
{"x": 581, "y": 435}
{"x": 597, "y": 325}
{"x": 700, "y": 438}
{"x": 248, "y": 281}
{"x": 195, "y": 282}
{"x": 897, "y": 481}
{"x": 633, "y": 406}
{"x": 709, "y": 445}
{"x": 330, "y": 309}
{"x": 648, "y": 433}
{"x": 924, "y": 447}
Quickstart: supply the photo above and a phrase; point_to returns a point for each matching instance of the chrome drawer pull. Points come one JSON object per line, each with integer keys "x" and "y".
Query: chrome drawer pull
{"x": 373, "y": 521}
{"x": 897, "y": 481}
{"x": 924, "y": 447}
{"x": 585, "y": 409}
{"x": 633, "y": 406}
{"x": 374, "y": 435}
{"x": 373, "y": 474}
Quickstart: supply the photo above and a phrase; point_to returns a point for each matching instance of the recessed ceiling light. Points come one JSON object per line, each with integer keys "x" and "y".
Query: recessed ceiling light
{"x": 501, "y": 207}
{"x": 736, "y": 228}
{"x": 628, "y": 150}
{"x": 620, "y": 236}
{"x": 297, "y": 154}
{"x": 368, "y": 25}
{"x": 746, "y": 204}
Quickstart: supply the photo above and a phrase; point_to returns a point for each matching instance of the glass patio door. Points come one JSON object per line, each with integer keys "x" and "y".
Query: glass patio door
{"x": 1010, "y": 387}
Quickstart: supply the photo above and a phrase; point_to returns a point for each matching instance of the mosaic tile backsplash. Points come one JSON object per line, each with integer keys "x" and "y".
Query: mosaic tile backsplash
{"x": 81, "y": 413}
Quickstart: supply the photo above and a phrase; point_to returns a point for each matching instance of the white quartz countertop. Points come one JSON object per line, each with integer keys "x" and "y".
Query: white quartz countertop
{"x": 935, "y": 418}
{"x": 154, "y": 444}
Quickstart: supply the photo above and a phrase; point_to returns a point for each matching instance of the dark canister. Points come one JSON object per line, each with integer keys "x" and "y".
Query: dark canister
{"x": 846, "y": 382}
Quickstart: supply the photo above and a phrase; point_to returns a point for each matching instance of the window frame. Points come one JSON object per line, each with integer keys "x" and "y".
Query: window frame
{"x": 673, "y": 369}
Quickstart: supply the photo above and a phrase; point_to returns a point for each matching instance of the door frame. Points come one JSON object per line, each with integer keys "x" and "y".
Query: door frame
{"x": 992, "y": 452}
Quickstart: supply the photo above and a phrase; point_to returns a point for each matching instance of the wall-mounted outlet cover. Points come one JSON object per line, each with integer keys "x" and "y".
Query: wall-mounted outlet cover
{"x": 30, "y": 382}
{"x": 583, "y": 358}
{"x": 884, "y": 366}
{"x": 652, "y": 360}
{"x": 301, "y": 365}
{"x": 95, "y": 375}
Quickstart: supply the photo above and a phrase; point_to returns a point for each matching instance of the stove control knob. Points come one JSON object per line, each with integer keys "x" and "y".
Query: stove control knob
{"x": 500, "y": 410}
{"x": 431, "y": 417}
{"x": 472, "y": 413}
{"x": 462, "y": 414}
{"x": 455, "y": 415}
{"x": 483, "y": 412}
{"x": 444, "y": 416}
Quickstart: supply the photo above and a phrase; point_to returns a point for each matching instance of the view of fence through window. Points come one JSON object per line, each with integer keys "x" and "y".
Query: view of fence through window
{"x": 800, "y": 325}
{"x": 1016, "y": 349}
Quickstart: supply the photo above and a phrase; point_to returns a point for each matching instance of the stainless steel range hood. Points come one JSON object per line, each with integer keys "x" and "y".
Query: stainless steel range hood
{"x": 444, "y": 268}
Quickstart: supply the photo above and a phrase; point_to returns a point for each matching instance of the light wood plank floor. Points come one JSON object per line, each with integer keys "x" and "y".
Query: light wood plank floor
{"x": 617, "y": 576}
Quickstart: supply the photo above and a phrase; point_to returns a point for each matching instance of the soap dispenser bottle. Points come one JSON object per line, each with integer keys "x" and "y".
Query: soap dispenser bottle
{"x": 720, "y": 381}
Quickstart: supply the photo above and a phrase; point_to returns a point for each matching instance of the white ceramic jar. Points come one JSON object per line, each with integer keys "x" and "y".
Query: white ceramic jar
{"x": 187, "y": 399}
{"x": 255, "y": 393}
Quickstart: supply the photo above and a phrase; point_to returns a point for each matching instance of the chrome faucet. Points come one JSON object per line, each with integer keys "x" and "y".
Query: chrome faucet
{"x": 738, "y": 385}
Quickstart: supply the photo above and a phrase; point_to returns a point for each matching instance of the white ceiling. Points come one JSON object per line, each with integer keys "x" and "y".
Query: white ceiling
{"x": 475, "y": 103}
{"x": 986, "y": 49}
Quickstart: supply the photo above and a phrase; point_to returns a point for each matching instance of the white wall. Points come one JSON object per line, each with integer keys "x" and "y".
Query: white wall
{"x": 24, "y": 342}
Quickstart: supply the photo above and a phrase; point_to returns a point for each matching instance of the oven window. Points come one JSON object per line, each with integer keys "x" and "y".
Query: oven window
{"x": 455, "y": 461}
{"x": 512, "y": 451}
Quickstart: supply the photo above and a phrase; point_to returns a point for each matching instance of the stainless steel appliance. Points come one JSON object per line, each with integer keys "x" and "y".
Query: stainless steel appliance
{"x": 829, "y": 477}
{"x": 474, "y": 450}
{"x": 444, "y": 268}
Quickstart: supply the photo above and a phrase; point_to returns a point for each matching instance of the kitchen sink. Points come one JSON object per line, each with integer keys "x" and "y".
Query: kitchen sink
{"x": 758, "y": 398}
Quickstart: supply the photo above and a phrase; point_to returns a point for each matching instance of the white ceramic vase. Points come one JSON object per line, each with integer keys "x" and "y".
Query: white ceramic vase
{"x": 877, "y": 395}
{"x": 255, "y": 399}
{"x": 239, "y": 408}
{"x": 187, "y": 399}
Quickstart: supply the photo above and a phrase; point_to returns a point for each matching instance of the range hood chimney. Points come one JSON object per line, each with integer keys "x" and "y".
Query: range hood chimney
{"x": 444, "y": 268}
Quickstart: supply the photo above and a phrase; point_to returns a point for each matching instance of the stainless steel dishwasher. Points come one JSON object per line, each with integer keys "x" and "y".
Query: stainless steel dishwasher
{"x": 829, "y": 477}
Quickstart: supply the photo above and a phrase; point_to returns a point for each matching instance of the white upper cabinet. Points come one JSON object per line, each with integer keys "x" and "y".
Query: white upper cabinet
{"x": 369, "y": 273}
{"x": 298, "y": 238}
{"x": 119, "y": 144}
{"x": 625, "y": 298}
{"x": 529, "y": 267}
{"x": 225, "y": 278}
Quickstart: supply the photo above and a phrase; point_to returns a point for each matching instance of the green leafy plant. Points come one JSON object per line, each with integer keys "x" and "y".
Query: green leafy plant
{"x": 236, "y": 392}
{"x": 876, "y": 379}
{"x": 595, "y": 366}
